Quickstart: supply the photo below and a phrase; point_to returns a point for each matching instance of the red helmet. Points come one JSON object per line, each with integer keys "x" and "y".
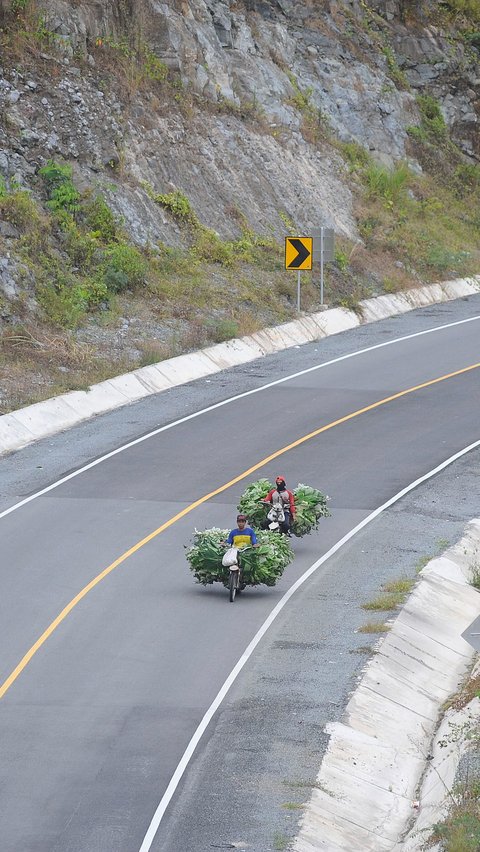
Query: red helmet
{"x": 281, "y": 479}
{"x": 241, "y": 517}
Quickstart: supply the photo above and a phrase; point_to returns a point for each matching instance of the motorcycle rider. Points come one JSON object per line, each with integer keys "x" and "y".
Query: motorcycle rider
{"x": 280, "y": 496}
{"x": 238, "y": 538}
{"x": 242, "y": 535}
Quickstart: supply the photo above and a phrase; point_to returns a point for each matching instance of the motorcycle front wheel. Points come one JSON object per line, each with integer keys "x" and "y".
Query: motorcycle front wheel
{"x": 233, "y": 585}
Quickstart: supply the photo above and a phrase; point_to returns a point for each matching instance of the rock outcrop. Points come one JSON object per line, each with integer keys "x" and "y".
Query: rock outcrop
{"x": 258, "y": 90}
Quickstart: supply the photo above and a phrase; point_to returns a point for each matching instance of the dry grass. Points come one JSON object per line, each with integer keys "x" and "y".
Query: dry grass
{"x": 399, "y": 587}
{"x": 470, "y": 689}
{"x": 35, "y": 366}
{"x": 384, "y": 603}
{"x": 374, "y": 627}
{"x": 393, "y": 595}
{"x": 362, "y": 649}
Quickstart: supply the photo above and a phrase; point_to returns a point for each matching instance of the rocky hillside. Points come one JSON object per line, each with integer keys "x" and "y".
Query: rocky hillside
{"x": 154, "y": 154}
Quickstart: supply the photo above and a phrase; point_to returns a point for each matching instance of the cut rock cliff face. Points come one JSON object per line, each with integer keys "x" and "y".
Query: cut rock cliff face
{"x": 232, "y": 136}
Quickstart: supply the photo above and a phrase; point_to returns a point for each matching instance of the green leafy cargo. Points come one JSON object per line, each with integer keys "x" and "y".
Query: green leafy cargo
{"x": 250, "y": 503}
{"x": 205, "y": 556}
{"x": 310, "y": 503}
{"x": 266, "y": 563}
{"x": 263, "y": 564}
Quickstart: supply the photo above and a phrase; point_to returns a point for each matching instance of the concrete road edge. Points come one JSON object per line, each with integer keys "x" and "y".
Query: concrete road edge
{"x": 22, "y": 427}
{"x": 367, "y": 786}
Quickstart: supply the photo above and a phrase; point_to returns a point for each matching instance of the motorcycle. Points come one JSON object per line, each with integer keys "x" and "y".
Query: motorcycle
{"x": 231, "y": 560}
{"x": 275, "y": 516}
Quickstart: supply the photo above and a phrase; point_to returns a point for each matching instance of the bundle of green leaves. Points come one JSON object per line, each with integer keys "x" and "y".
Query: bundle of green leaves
{"x": 250, "y": 502}
{"x": 205, "y": 556}
{"x": 263, "y": 564}
{"x": 311, "y": 505}
{"x": 267, "y": 562}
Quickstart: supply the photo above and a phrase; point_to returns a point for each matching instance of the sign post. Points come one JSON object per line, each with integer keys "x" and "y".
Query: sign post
{"x": 321, "y": 265}
{"x": 298, "y": 255}
{"x": 323, "y": 250}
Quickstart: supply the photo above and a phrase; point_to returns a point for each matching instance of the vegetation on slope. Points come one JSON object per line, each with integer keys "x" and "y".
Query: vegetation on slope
{"x": 105, "y": 305}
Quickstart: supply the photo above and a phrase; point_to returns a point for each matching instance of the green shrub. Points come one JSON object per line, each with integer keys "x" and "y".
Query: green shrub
{"x": 62, "y": 193}
{"x": 208, "y": 246}
{"x": 467, "y": 179}
{"x": 153, "y": 67}
{"x": 80, "y": 247}
{"x": 432, "y": 120}
{"x": 177, "y": 203}
{"x": 55, "y": 174}
{"x": 396, "y": 73}
{"x": 473, "y": 39}
{"x": 99, "y": 218}
{"x": 341, "y": 260}
{"x": 20, "y": 209}
{"x": 62, "y": 301}
{"x": 138, "y": 63}
{"x": 315, "y": 121}
{"x": 433, "y": 135}
{"x": 468, "y": 8}
{"x": 355, "y": 155}
{"x": 174, "y": 260}
{"x": 442, "y": 258}
{"x": 300, "y": 99}
{"x": 417, "y": 133}
{"x": 93, "y": 291}
{"x": 66, "y": 298}
{"x": 19, "y": 5}
{"x": 221, "y": 329}
{"x": 116, "y": 281}
{"x": 64, "y": 197}
{"x": 389, "y": 185}
{"x": 368, "y": 226}
{"x": 125, "y": 267}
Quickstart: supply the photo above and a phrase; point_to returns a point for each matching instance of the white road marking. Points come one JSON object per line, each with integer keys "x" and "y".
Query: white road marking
{"x": 177, "y": 775}
{"x": 226, "y": 402}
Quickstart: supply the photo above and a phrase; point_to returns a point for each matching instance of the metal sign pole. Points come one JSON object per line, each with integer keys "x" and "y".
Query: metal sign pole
{"x": 321, "y": 266}
{"x": 298, "y": 292}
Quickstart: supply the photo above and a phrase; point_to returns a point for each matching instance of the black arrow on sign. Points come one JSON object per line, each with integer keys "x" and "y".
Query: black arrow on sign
{"x": 302, "y": 255}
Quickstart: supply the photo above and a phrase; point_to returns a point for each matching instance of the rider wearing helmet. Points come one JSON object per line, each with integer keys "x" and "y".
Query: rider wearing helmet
{"x": 281, "y": 496}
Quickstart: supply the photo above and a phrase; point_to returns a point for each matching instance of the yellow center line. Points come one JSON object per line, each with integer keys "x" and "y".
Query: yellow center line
{"x": 98, "y": 579}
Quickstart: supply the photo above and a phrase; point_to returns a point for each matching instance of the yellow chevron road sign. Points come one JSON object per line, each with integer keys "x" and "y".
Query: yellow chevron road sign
{"x": 298, "y": 252}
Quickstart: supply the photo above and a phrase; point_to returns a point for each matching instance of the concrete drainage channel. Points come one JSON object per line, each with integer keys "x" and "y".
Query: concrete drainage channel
{"x": 22, "y": 427}
{"x": 367, "y": 791}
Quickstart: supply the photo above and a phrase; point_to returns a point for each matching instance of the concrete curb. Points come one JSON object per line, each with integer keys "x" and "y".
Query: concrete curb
{"x": 21, "y": 427}
{"x": 369, "y": 778}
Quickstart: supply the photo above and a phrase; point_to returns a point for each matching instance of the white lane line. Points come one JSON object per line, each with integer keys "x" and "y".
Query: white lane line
{"x": 177, "y": 775}
{"x": 227, "y": 402}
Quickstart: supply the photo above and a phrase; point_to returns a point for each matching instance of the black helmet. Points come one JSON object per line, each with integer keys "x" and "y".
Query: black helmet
{"x": 241, "y": 517}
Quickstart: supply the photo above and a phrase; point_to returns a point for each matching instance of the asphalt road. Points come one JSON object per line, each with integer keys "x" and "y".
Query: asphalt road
{"x": 94, "y": 725}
